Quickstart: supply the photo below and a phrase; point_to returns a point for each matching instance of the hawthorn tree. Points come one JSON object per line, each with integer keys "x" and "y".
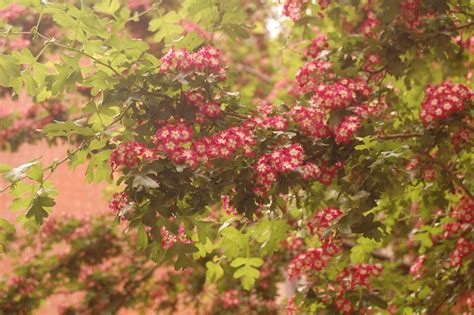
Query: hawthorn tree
{"x": 323, "y": 144}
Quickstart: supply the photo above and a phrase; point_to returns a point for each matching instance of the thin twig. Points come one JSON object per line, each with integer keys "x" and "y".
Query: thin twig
{"x": 451, "y": 175}
{"x": 399, "y": 135}
{"x": 53, "y": 166}
{"x": 262, "y": 76}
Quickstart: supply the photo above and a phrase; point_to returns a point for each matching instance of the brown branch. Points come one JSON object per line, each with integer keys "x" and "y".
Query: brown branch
{"x": 399, "y": 135}
{"x": 460, "y": 27}
{"x": 451, "y": 175}
{"x": 53, "y": 166}
{"x": 348, "y": 244}
{"x": 262, "y": 76}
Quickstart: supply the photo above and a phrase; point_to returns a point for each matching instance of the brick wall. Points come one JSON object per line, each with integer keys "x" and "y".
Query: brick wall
{"x": 75, "y": 196}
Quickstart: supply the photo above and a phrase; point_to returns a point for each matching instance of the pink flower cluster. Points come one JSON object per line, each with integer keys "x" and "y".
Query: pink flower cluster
{"x": 311, "y": 120}
{"x": 230, "y": 298}
{"x": 346, "y": 129}
{"x": 417, "y": 266}
{"x": 463, "y": 214}
{"x": 275, "y": 122}
{"x": 134, "y": 5}
{"x": 292, "y": 9}
{"x": 190, "y": 26}
{"x": 371, "y": 61}
{"x": 206, "y": 59}
{"x": 368, "y": 109}
{"x": 329, "y": 171}
{"x": 229, "y": 210}
{"x": 280, "y": 160}
{"x": 464, "y": 248}
{"x": 323, "y": 4}
{"x": 168, "y": 239}
{"x": 294, "y": 244}
{"x": 342, "y": 94}
{"x": 23, "y": 285}
{"x": 310, "y": 75}
{"x": 15, "y": 43}
{"x": 30, "y": 121}
{"x": 412, "y": 164}
{"x": 205, "y": 109}
{"x": 369, "y": 24}
{"x": 10, "y": 13}
{"x": 324, "y": 173}
{"x": 460, "y": 138}
{"x": 314, "y": 259}
{"x": 310, "y": 171}
{"x": 317, "y": 45}
{"x": 443, "y": 100}
{"x": 118, "y": 202}
{"x": 409, "y": 11}
{"x": 130, "y": 154}
{"x": 464, "y": 210}
{"x": 357, "y": 276}
{"x": 225, "y": 144}
{"x": 174, "y": 140}
{"x": 344, "y": 306}
{"x": 323, "y": 219}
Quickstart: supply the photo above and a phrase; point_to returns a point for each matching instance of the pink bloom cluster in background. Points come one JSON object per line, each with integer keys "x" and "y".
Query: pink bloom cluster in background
{"x": 12, "y": 12}
{"x": 30, "y": 121}
{"x": 135, "y": 5}
{"x": 206, "y": 59}
{"x": 230, "y": 298}
{"x": 370, "y": 23}
{"x": 409, "y": 11}
{"x": 168, "y": 239}
{"x": 292, "y": 9}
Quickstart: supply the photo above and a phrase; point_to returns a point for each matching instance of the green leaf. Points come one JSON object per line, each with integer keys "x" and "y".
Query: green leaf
{"x": 38, "y": 207}
{"x": 7, "y": 230}
{"x": 142, "y": 181}
{"x": 78, "y": 158}
{"x": 67, "y": 129}
{"x": 142, "y": 238}
{"x": 5, "y": 168}
{"x": 236, "y": 31}
{"x": 98, "y": 168}
{"x": 269, "y": 233}
{"x": 361, "y": 252}
{"x": 17, "y": 173}
{"x": 214, "y": 272}
{"x": 424, "y": 238}
{"x": 35, "y": 172}
{"x": 233, "y": 242}
{"x": 9, "y": 70}
{"x": 167, "y": 27}
{"x": 107, "y": 6}
{"x": 247, "y": 271}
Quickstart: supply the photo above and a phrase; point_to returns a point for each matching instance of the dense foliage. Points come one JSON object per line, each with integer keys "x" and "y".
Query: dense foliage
{"x": 323, "y": 147}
